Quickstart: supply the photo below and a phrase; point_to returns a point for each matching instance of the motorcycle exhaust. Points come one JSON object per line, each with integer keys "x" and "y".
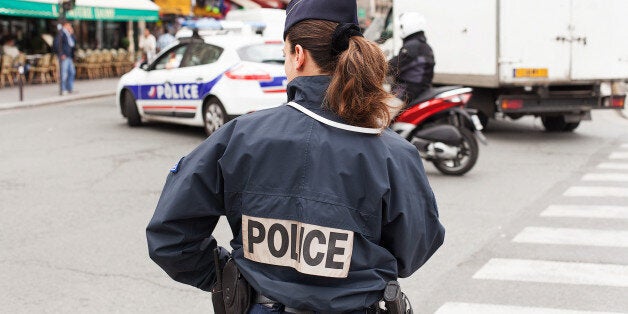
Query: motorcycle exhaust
{"x": 438, "y": 142}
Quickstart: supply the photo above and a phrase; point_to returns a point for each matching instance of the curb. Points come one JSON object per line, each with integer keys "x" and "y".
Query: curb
{"x": 55, "y": 100}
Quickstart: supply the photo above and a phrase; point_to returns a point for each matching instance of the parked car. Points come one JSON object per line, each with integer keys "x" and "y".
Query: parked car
{"x": 205, "y": 81}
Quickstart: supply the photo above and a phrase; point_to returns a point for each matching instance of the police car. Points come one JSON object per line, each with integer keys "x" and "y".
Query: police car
{"x": 205, "y": 81}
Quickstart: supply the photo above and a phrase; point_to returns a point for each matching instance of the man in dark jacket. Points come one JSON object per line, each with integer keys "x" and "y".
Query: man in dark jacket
{"x": 413, "y": 68}
{"x": 64, "y": 46}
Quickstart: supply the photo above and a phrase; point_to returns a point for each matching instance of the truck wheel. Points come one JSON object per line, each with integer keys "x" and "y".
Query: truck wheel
{"x": 558, "y": 124}
{"x": 133, "y": 117}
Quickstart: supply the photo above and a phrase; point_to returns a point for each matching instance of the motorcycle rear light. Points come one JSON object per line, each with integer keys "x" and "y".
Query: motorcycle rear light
{"x": 462, "y": 98}
{"x": 512, "y": 104}
{"x": 243, "y": 72}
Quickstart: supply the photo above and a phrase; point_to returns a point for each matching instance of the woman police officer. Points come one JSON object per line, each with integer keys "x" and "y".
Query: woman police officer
{"x": 325, "y": 203}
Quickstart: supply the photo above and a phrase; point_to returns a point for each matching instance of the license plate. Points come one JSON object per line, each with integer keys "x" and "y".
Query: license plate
{"x": 531, "y": 73}
{"x": 476, "y": 122}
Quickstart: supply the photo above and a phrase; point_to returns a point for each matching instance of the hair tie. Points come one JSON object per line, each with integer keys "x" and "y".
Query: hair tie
{"x": 341, "y": 36}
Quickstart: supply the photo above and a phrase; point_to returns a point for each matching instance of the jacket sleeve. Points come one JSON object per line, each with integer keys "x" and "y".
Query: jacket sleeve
{"x": 191, "y": 203}
{"x": 411, "y": 229}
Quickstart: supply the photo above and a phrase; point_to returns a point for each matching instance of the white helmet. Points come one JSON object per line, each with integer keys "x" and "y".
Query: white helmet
{"x": 410, "y": 23}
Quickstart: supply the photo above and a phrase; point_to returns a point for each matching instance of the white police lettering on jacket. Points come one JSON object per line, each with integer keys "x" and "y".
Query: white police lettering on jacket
{"x": 310, "y": 249}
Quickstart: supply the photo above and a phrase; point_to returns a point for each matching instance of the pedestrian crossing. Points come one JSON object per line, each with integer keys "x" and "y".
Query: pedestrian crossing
{"x": 597, "y": 204}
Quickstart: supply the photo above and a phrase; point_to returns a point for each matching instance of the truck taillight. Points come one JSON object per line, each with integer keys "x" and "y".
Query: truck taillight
{"x": 618, "y": 102}
{"x": 248, "y": 72}
{"x": 512, "y": 104}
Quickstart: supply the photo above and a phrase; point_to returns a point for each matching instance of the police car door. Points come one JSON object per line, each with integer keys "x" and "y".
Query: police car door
{"x": 199, "y": 72}
{"x": 163, "y": 94}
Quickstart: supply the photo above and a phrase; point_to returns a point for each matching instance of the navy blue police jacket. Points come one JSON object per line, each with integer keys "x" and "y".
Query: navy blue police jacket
{"x": 322, "y": 215}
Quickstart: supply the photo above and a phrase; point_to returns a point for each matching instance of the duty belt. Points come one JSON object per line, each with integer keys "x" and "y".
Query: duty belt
{"x": 264, "y": 300}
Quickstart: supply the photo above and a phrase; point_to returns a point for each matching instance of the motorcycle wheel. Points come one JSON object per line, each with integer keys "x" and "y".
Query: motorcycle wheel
{"x": 465, "y": 160}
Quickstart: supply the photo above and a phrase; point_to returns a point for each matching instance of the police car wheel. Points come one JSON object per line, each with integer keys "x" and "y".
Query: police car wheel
{"x": 214, "y": 115}
{"x": 133, "y": 117}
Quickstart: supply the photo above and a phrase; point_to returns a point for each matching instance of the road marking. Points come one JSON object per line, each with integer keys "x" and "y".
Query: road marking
{"x": 613, "y": 166}
{"x": 618, "y": 155}
{"x": 554, "y": 272}
{"x": 565, "y": 236}
{"x": 597, "y": 191}
{"x": 608, "y": 177}
{"x": 477, "y": 308}
{"x": 583, "y": 211}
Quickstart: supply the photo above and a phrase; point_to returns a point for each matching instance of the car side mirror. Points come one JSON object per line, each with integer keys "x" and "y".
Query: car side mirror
{"x": 144, "y": 66}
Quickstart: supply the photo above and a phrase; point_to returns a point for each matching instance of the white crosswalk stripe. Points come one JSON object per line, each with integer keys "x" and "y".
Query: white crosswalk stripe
{"x": 619, "y": 155}
{"x": 477, "y": 308}
{"x": 596, "y": 191}
{"x": 565, "y": 236}
{"x": 606, "y": 177}
{"x": 554, "y": 272}
{"x": 613, "y": 166}
{"x": 584, "y": 211}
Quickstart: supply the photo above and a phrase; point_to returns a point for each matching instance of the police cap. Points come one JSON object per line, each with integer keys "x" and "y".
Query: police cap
{"x": 340, "y": 11}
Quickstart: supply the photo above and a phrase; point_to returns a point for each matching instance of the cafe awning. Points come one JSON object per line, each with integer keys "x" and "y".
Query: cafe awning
{"x": 106, "y": 10}
{"x": 176, "y": 7}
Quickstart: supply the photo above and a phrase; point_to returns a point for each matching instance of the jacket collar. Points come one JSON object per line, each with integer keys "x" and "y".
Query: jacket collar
{"x": 309, "y": 92}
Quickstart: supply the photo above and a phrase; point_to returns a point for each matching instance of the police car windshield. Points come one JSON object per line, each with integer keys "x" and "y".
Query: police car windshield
{"x": 263, "y": 53}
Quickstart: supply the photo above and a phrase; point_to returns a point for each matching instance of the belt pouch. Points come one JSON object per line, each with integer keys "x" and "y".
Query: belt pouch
{"x": 237, "y": 293}
{"x": 217, "y": 294}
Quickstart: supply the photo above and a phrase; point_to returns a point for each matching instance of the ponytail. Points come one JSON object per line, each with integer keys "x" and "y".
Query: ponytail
{"x": 356, "y": 92}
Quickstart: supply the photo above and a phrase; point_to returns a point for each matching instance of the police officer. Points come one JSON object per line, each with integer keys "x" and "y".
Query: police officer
{"x": 413, "y": 67}
{"x": 325, "y": 203}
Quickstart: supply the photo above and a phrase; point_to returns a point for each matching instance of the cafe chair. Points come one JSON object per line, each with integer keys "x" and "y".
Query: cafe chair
{"x": 6, "y": 73}
{"x": 42, "y": 68}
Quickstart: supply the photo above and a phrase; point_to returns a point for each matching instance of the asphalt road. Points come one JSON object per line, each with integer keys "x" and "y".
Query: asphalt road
{"x": 77, "y": 188}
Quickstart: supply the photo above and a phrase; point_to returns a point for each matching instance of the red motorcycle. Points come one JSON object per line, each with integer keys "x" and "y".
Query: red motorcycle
{"x": 442, "y": 129}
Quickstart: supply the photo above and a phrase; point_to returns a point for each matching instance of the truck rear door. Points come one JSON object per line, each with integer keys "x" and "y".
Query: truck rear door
{"x": 599, "y": 49}
{"x": 534, "y": 41}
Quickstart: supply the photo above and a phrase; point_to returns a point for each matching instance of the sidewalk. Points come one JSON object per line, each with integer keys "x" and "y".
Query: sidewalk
{"x": 45, "y": 94}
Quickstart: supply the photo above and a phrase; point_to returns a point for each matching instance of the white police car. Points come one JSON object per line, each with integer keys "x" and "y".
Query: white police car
{"x": 205, "y": 81}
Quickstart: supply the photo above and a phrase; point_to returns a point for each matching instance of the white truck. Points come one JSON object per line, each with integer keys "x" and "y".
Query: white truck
{"x": 555, "y": 59}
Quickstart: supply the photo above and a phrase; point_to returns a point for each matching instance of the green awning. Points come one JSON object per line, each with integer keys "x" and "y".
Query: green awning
{"x": 106, "y": 10}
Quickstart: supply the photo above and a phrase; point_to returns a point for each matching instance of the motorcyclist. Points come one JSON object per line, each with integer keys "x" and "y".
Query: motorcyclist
{"x": 413, "y": 67}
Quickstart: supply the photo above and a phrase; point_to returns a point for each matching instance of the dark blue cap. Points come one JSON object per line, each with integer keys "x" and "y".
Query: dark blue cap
{"x": 339, "y": 11}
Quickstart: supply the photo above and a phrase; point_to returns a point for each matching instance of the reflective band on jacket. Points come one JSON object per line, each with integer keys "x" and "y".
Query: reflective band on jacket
{"x": 334, "y": 123}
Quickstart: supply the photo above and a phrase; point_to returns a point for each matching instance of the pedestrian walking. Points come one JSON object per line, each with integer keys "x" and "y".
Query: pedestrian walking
{"x": 328, "y": 207}
{"x": 148, "y": 44}
{"x": 64, "y": 46}
{"x": 165, "y": 39}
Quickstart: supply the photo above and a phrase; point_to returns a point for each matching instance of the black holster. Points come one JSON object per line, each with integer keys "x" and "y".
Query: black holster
{"x": 231, "y": 294}
{"x": 395, "y": 300}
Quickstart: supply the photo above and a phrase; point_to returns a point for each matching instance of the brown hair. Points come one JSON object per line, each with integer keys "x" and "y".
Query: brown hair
{"x": 356, "y": 91}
